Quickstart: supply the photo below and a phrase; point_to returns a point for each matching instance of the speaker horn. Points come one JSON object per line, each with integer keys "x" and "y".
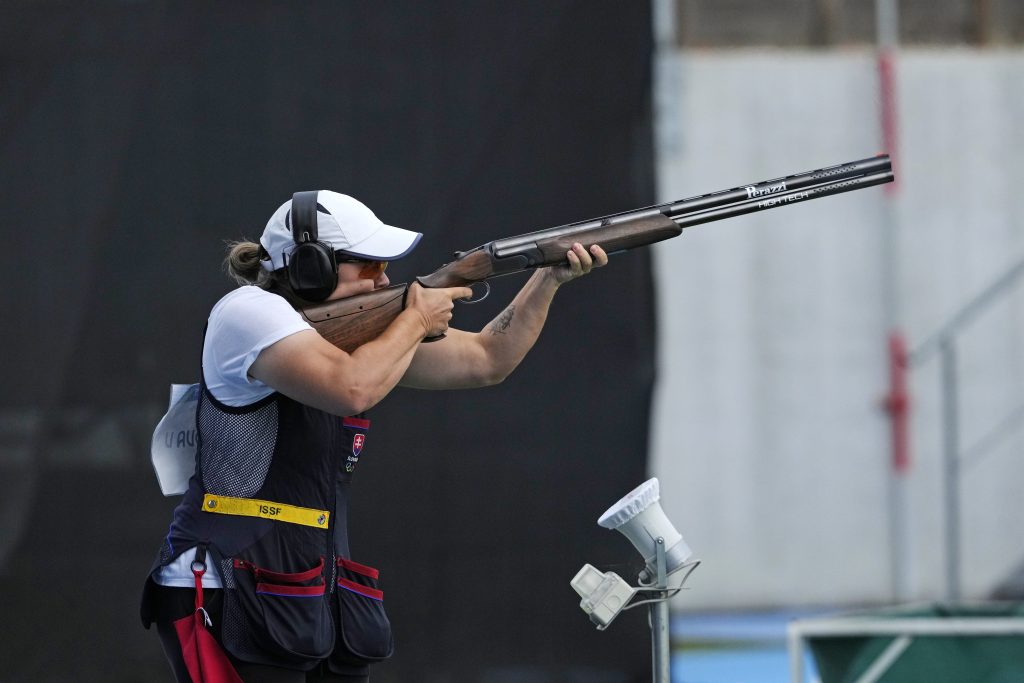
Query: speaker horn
{"x": 638, "y": 516}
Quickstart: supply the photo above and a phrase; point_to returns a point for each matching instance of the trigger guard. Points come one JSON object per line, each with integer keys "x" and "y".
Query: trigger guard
{"x": 487, "y": 292}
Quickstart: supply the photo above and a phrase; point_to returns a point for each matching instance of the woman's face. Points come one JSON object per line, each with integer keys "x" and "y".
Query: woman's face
{"x": 359, "y": 278}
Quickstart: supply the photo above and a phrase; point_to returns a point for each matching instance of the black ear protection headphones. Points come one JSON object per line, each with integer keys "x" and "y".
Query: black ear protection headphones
{"x": 312, "y": 265}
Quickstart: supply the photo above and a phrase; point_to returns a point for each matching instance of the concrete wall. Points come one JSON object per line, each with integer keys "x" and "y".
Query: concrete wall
{"x": 767, "y": 432}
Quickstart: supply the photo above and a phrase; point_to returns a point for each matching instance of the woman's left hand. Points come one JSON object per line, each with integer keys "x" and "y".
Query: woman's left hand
{"x": 580, "y": 262}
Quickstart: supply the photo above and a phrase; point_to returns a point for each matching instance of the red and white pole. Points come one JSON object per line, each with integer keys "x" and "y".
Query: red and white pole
{"x": 897, "y": 401}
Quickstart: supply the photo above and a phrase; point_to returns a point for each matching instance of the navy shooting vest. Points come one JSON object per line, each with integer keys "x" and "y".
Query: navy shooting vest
{"x": 269, "y": 499}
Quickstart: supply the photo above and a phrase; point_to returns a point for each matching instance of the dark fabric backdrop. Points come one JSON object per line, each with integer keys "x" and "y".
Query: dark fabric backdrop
{"x": 136, "y": 136}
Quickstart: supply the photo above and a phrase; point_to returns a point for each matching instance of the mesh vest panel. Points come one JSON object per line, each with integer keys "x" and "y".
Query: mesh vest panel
{"x": 236, "y": 447}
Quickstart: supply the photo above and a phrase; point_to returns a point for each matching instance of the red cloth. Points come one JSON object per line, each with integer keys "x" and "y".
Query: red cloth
{"x": 203, "y": 655}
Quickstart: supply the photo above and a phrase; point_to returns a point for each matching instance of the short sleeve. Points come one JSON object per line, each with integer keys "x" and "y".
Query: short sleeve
{"x": 241, "y": 325}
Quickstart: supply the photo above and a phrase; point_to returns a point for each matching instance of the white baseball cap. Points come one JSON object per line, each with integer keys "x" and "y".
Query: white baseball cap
{"x": 343, "y": 222}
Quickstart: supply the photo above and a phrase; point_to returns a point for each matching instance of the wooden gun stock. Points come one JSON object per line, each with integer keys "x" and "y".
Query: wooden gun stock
{"x": 613, "y": 238}
{"x": 350, "y": 323}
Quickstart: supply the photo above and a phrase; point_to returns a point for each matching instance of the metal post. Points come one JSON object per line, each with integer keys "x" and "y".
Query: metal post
{"x": 951, "y": 459}
{"x": 887, "y": 43}
{"x": 661, "y": 653}
{"x": 795, "y": 645}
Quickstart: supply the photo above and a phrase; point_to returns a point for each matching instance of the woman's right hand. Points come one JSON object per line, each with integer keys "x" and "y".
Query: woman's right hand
{"x": 434, "y": 305}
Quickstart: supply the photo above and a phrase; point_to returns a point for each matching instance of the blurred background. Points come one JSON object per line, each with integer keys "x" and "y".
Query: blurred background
{"x": 832, "y": 394}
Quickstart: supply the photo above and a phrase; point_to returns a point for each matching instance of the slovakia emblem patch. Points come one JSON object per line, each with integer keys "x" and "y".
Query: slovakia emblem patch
{"x": 357, "y": 444}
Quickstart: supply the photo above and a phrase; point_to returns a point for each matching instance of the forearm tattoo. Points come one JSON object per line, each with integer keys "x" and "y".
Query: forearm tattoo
{"x": 504, "y": 321}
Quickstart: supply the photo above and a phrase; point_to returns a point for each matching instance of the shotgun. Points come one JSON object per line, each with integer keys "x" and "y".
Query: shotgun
{"x": 349, "y": 323}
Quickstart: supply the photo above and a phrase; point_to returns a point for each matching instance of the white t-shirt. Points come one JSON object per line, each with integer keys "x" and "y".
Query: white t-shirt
{"x": 241, "y": 325}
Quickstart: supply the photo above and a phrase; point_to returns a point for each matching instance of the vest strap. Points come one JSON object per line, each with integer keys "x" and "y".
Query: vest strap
{"x": 279, "y": 512}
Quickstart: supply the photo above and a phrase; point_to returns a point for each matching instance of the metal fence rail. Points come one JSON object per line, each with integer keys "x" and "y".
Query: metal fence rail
{"x": 943, "y": 343}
